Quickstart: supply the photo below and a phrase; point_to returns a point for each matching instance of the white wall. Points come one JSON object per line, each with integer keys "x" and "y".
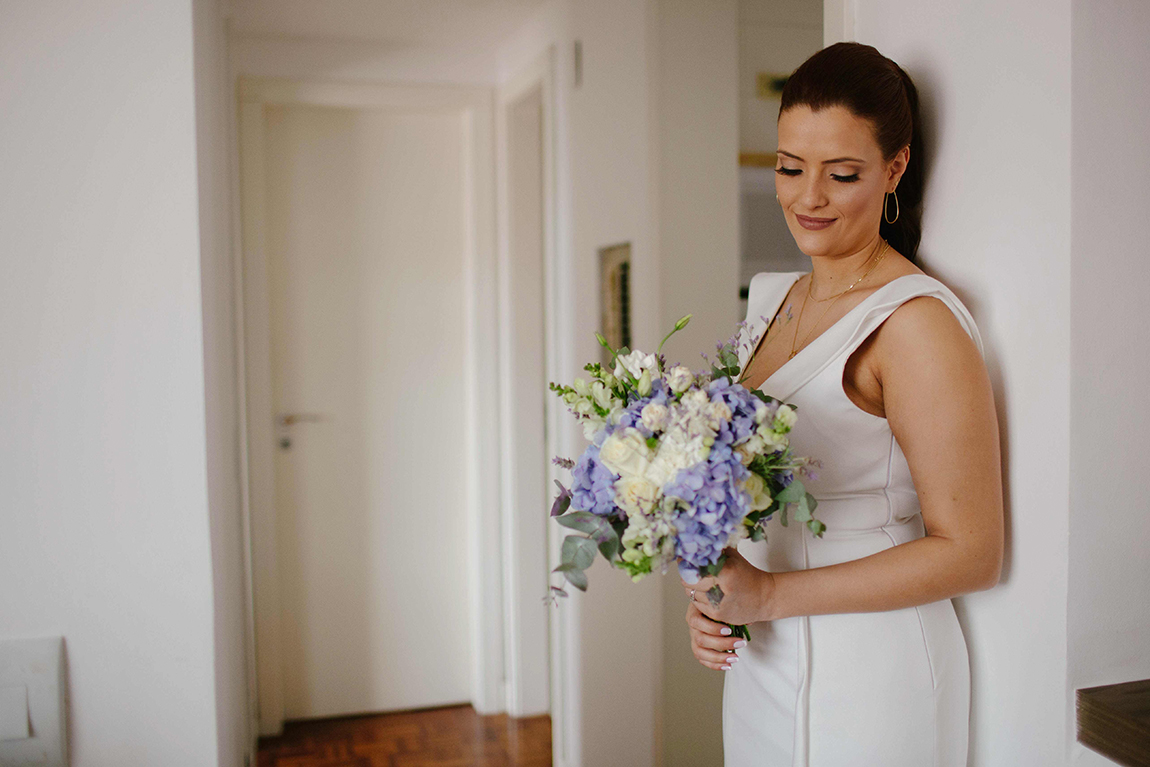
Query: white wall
{"x": 1109, "y": 578}
{"x": 775, "y": 36}
{"x": 361, "y": 60}
{"x": 214, "y": 103}
{"x": 103, "y": 481}
{"x": 647, "y": 151}
{"x": 697, "y": 224}
{"x": 995, "y": 82}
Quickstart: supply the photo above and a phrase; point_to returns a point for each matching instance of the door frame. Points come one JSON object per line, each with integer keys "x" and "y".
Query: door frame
{"x": 526, "y": 686}
{"x": 563, "y": 621}
{"x": 475, "y": 106}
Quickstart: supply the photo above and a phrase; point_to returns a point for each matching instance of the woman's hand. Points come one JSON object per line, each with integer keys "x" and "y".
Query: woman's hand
{"x": 711, "y": 646}
{"x": 747, "y": 592}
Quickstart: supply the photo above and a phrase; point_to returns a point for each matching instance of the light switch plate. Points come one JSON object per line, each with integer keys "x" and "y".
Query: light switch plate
{"x": 14, "y": 713}
{"x": 35, "y": 667}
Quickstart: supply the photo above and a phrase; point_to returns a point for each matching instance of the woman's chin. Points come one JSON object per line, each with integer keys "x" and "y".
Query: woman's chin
{"x": 813, "y": 244}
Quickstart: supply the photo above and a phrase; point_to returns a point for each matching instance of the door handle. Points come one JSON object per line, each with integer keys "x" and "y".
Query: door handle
{"x": 287, "y": 419}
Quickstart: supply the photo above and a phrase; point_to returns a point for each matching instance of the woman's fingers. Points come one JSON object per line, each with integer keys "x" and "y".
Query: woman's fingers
{"x": 710, "y": 645}
{"x": 713, "y": 658}
{"x": 700, "y": 622}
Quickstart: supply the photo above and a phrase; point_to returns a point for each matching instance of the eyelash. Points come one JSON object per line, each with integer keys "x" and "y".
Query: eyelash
{"x": 796, "y": 171}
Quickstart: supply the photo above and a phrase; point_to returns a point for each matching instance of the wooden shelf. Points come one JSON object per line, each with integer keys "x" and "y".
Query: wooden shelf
{"x": 1114, "y": 720}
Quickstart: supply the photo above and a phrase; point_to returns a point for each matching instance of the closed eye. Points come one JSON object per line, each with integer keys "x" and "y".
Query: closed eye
{"x": 846, "y": 179}
{"x": 788, "y": 171}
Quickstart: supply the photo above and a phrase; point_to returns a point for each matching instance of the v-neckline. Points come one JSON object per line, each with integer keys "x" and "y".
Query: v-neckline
{"x": 815, "y": 340}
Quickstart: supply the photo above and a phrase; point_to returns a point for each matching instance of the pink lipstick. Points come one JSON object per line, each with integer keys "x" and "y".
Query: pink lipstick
{"x": 808, "y": 222}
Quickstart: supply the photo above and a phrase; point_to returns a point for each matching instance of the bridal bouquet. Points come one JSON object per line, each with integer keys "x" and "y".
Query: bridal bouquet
{"x": 681, "y": 465}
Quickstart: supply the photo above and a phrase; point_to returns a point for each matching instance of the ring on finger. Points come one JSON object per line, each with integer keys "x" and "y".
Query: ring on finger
{"x": 692, "y": 595}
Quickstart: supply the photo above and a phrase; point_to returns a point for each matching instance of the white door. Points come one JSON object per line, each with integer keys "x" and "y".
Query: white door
{"x": 365, "y": 245}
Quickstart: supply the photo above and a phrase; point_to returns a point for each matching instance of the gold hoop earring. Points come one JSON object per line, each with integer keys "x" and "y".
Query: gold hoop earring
{"x": 886, "y": 207}
{"x": 776, "y": 198}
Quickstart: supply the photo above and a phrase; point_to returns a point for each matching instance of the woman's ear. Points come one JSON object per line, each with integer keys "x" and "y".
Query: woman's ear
{"x": 897, "y": 168}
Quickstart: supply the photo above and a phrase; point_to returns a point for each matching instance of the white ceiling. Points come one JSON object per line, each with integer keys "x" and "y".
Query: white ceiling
{"x": 476, "y": 24}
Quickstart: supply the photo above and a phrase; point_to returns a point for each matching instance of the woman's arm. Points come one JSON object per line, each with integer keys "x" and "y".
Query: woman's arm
{"x": 938, "y": 402}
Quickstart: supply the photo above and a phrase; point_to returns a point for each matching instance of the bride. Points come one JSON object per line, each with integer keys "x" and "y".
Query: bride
{"x": 856, "y": 656}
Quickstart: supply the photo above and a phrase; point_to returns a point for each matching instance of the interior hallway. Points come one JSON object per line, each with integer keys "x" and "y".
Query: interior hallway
{"x": 443, "y": 737}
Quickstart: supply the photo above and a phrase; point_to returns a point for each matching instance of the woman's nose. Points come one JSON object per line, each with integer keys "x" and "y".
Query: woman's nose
{"x": 814, "y": 193}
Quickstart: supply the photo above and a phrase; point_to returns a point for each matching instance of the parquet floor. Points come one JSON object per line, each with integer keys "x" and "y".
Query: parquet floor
{"x": 442, "y": 737}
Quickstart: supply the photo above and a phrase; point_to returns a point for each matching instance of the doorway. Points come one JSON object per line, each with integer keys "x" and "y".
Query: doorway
{"x": 369, "y": 355}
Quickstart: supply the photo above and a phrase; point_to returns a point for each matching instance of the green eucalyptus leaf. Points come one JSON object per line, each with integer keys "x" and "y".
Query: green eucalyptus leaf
{"x": 576, "y": 578}
{"x": 791, "y": 493}
{"x": 583, "y": 521}
{"x": 803, "y": 510}
{"x": 609, "y": 549}
{"x": 578, "y": 550}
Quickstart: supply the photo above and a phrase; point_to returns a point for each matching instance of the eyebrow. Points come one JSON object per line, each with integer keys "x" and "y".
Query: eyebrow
{"x": 825, "y": 162}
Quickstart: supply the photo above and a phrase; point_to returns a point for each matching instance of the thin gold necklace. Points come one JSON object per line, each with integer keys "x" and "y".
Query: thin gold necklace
{"x": 797, "y": 347}
{"x": 811, "y": 284}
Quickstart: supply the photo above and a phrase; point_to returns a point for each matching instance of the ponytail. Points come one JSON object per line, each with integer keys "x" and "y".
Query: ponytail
{"x": 906, "y": 232}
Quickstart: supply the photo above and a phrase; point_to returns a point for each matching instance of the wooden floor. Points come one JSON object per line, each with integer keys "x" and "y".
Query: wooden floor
{"x": 442, "y": 737}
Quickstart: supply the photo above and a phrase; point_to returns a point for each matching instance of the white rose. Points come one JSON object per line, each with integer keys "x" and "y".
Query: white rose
{"x": 757, "y": 489}
{"x": 785, "y": 418}
{"x": 625, "y": 452}
{"x": 719, "y": 412}
{"x": 680, "y": 379}
{"x": 654, "y": 416}
{"x": 635, "y": 495}
{"x": 695, "y": 400}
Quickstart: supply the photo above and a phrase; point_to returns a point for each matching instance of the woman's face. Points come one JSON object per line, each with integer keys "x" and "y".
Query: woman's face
{"x": 831, "y": 179}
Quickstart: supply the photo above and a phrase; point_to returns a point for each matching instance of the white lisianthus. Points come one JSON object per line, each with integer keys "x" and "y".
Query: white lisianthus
{"x": 785, "y": 418}
{"x": 590, "y": 429}
{"x": 635, "y": 363}
{"x": 654, "y": 416}
{"x": 603, "y": 396}
{"x": 773, "y": 442}
{"x": 626, "y": 453}
{"x": 750, "y": 448}
{"x": 680, "y": 379}
{"x": 757, "y": 489}
{"x": 635, "y": 495}
{"x": 644, "y": 385}
{"x": 761, "y": 411}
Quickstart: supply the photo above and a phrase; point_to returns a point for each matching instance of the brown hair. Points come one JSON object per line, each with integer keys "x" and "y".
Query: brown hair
{"x": 871, "y": 86}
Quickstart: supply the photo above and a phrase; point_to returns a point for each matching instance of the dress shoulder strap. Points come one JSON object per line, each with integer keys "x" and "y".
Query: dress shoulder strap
{"x": 882, "y": 303}
{"x": 831, "y": 349}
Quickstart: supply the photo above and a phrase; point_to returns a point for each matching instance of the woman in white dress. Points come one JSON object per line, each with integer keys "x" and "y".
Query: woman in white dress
{"x": 856, "y": 657}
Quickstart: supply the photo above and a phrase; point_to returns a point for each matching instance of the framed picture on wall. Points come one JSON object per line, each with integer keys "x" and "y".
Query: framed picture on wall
{"x": 615, "y": 296}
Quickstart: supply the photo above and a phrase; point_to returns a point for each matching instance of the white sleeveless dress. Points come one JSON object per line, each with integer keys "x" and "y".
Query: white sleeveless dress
{"x": 886, "y": 689}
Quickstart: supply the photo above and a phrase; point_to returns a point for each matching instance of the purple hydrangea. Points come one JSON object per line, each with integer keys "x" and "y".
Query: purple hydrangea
{"x": 593, "y": 486}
